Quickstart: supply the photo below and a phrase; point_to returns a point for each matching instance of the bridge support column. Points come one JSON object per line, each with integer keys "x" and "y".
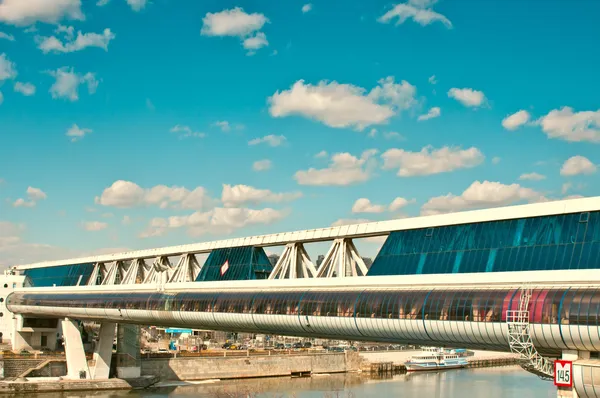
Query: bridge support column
{"x": 103, "y": 351}
{"x": 129, "y": 362}
{"x": 77, "y": 366}
{"x": 573, "y": 355}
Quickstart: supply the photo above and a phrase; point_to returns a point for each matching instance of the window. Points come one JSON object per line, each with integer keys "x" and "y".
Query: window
{"x": 566, "y": 241}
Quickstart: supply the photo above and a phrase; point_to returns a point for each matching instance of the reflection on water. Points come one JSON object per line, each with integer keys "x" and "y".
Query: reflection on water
{"x": 488, "y": 383}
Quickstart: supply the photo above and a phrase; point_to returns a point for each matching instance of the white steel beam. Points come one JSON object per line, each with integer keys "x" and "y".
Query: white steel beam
{"x": 353, "y": 231}
{"x": 160, "y": 272}
{"x": 186, "y": 270}
{"x": 113, "y": 270}
{"x": 294, "y": 263}
{"x": 342, "y": 260}
{"x": 95, "y": 272}
{"x": 136, "y": 269}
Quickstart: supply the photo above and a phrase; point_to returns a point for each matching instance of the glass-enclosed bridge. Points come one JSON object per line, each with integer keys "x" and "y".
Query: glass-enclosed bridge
{"x": 476, "y": 279}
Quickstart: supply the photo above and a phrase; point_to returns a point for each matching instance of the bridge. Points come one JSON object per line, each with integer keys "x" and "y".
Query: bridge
{"x": 521, "y": 279}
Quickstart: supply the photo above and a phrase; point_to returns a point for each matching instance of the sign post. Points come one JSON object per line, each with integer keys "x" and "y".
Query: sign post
{"x": 563, "y": 373}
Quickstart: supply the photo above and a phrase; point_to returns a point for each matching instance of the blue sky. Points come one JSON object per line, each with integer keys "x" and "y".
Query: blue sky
{"x": 121, "y": 120}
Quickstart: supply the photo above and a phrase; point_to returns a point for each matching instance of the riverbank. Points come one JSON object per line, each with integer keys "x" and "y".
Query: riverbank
{"x": 54, "y": 384}
{"x": 206, "y": 370}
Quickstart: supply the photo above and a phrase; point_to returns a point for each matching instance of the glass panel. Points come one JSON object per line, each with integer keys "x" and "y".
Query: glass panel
{"x": 536, "y": 243}
{"x": 64, "y": 275}
{"x": 236, "y": 263}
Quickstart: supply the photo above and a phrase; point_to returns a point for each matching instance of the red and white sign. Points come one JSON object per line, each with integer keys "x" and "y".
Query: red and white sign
{"x": 224, "y": 267}
{"x": 563, "y": 373}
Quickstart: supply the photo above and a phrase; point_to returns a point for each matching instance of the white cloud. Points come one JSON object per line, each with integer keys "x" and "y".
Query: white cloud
{"x": 94, "y": 226}
{"x": 399, "y": 203}
{"x": 306, "y": 8}
{"x": 467, "y": 96}
{"x": 344, "y": 169}
{"x": 68, "y": 31}
{"x": 431, "y": 161}
{"x": 532, "y": 177}
{"x": 432, "y": 79}
{"x": 419, "y": 11}
{"x": 566, "y": 187}
{"x": 26, "y": 89}
{"x": 572, "y": 126}
{"x": 271, "y": 140}
{"x": 1, "y": 98}
{"x": 137, "y": 5}
{"x": 186, "y": 131}
{"x": 10, "y": 233}
{"x": 344, "y": 105}
{"x": 237, "y": 23}
{"x": 77, "y": 133}
{"x": 577, "y": 165}
{"x": 6, "y": 36}
{"x": 322, "y": 154}
{"x": 262, "y": 165}
{"x": 68, "y": 81}
{"x": 23, "y": 203}
{"x": 223, "y": 125}
{"x": 83, "y": 40}
{"x": 364, "y": 205}
{"x": 516, "y": 120}
{"x": 7, "y": 68}
{"x": 400, "y": 95}
{"x": 102, "y": 3}
{"x": 237, "y": 195}
{"x": 34, "y": 194}
{"x": 13, "y": 250}
{"x": 373, "y": 133}
{"x": 126, "y": 220}
{"x": 433, "y": 113}
{"x": 496, "y": 160}
{"x": 20, "y": 13}
{"x": 216, "y": 221}
{"x": 252, "y": 43}
{"x": 234, "y": 22}
{"x": 480, "y": 195}
{"x": 422, "y": 3}
{"x": 126, "y": 194}
{"x": 392, "y": 135}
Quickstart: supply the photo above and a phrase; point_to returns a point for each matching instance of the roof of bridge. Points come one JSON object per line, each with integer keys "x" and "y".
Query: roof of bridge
{"x": 354, "y": 231}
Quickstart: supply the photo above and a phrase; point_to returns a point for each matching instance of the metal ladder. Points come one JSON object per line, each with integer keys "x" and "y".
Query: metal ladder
{"x": 519, "y": 339}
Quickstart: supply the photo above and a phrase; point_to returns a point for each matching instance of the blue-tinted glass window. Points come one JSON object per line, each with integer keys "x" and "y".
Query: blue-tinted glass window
{"x": 236, "y": 263}
{"x": 568, "y": 241}
{"x": 64, "y": 275}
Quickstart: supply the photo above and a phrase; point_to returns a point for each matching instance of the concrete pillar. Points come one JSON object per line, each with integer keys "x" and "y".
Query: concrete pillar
{"x": 77, "y": 366}
{"x": 103, "y": 351}
{"x": 129, "y": 362}
{"x": 572, "y": 355}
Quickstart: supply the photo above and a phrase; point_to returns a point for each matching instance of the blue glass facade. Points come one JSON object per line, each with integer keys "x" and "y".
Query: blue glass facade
{"x": 235, "y": 263}
{"x": 566, "y": 241}
{"x": 65, "y": 275}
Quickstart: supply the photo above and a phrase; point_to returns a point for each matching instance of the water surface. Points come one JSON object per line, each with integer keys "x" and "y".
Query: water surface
{"x": 502, "y": 382}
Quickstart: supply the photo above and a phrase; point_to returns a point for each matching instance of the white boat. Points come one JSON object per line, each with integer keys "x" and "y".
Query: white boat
{"x": 434, "y": 358}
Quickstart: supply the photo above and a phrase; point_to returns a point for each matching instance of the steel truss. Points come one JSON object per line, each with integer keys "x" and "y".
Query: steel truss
{"x": 519, "y": 339}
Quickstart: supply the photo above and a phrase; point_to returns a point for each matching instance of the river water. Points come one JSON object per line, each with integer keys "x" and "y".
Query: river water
{"x": 501, "y": 382}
